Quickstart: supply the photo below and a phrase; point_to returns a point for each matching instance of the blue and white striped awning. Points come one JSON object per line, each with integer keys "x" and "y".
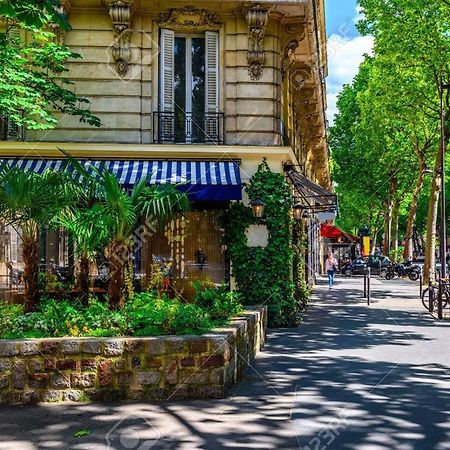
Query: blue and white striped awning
{"x": 203, "y": 180}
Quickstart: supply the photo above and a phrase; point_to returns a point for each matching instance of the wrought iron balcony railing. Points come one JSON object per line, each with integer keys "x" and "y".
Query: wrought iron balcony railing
{"x": 10, "y": 131}
{"x": 188, "y": 128}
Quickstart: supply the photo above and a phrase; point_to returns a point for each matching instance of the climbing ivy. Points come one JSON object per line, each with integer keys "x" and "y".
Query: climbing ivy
{"x": 264, "y": 275}
{"x": 302, "y": 289}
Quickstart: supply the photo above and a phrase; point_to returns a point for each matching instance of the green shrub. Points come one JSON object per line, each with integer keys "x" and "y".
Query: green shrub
{"x": 220, "y": 302}
{"x": 147, "y": 314}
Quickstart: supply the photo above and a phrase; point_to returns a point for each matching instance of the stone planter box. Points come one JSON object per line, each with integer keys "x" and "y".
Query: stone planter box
{"x": 127, "y": 368}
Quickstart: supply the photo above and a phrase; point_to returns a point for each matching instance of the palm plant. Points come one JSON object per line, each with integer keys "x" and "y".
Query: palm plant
{"x": 156, "y": 203}
{"x": 124, "y": 209}
{"x": 88, "y": 229}
{"x": 29, "y": 201}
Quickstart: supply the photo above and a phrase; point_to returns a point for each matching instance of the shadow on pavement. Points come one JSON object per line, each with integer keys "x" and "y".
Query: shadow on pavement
{"x": 350, "y": 377}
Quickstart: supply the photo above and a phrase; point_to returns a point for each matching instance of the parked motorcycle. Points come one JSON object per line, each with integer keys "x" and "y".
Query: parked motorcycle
{"x": 403, "y": 270}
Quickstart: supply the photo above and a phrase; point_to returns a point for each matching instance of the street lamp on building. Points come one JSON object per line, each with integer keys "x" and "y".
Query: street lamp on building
{"x": 258, "y": 207}
{"x": 300, "y": 212}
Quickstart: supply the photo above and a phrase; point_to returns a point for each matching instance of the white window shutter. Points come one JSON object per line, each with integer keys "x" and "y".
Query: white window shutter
{"x": 167, "y": 81}
{"x": 212, "y": 72}
{"x": 14, "y": 33}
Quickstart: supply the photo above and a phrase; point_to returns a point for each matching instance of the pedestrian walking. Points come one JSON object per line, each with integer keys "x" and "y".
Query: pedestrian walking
{"x": 331, "y": 267}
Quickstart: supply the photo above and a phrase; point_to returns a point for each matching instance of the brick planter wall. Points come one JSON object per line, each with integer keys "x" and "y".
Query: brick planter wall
{"x": 153, "y": 368}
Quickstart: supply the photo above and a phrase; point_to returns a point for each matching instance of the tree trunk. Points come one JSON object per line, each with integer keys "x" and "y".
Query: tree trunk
{"x": 84, "y": 279}
{"x": 408, "y": 251}
{"x": 394, "y": 225}
{"x": 430, "y": 248}
{"x": 374, "y": 241}
{"x": 420, "y": 152}
{"x": 30, "y": 255}
{"x": 387, "y": 229}
{"x": 117, "y": 257}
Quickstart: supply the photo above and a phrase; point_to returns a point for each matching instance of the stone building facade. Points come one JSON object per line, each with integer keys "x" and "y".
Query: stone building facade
{"x": 194, "y": 81}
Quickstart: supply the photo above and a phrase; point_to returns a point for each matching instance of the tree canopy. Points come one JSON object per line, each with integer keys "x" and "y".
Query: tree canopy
{"x": 33, "y": 82}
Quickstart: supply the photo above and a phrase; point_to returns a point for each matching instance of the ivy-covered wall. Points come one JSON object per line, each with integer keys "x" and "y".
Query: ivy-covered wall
{"x": 265, "y": 274}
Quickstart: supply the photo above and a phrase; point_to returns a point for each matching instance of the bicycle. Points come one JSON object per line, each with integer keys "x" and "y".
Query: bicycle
{"x": 433, "y": 304}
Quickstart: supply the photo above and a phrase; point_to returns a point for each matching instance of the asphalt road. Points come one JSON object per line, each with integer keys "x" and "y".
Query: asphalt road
{"x": 350, "y": 377}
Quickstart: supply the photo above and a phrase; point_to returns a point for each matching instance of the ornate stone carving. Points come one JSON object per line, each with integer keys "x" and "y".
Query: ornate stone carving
{"x": 297, "y": 28}
{"x": 288, "y": 56}
{"x": 257, "y": 18}
{"x": 189, "y": 19}
{"x": 121, "y": 13}
{"x": 63, "y": 8}
{"x": 301, "y": 75}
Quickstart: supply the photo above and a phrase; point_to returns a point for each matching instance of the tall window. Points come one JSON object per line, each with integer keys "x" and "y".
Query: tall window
{"x": 189, "y": 87}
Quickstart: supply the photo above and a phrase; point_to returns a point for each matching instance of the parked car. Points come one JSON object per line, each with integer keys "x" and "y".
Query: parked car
{"x": 378, "y": 264}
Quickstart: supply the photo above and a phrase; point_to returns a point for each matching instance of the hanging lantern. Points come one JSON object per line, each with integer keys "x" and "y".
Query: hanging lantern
{"x": 306, "y": 215}
{"x": 258, "y": 207}
{"x": 298, "y": 211}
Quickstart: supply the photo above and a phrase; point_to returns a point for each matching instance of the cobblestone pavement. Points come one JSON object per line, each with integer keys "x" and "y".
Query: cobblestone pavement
{"x": 350, "y": 377}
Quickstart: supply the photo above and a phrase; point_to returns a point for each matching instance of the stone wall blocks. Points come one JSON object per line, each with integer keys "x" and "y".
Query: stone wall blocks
{"x": 9, "y": 348}
{"x": 130, "y": 368}
{"x": 148, "y": 378}
{"x": 113, "y": 347}
{"x": 5, "y": 381}
{"x": 176, "y": 344}
{"x": 135, "y": 345}
{"x": 189, "y": 376}
{"x": 59, "y": 381}
{"x": 156, "y": 346}
{"x": 29, "y": 348}
{"x": 70, "y": 347}
{"x": 83, "y": 381}
{"x": 198, "y": 345}
{"x": 153, "y": 362}
{"x": 5, "y": 365}
{"x": 50, "y": 347}
{"x": 91, "y": 346}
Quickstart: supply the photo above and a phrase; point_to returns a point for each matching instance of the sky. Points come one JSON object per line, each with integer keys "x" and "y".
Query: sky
{"x": 345, "y": 47}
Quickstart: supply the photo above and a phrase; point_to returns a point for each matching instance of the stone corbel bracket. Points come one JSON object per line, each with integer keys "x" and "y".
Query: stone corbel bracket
{"x": 121, "y": 13}
{"x": 63, "y": 8}
{"x": 257, "y": 18}
{"x": 294, "y": 31}
{"x": 288, "y": 56}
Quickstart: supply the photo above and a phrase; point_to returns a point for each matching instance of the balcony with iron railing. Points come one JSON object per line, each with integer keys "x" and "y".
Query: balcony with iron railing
{"x": 9, "y": 130}
{"x": 188, "y": 128}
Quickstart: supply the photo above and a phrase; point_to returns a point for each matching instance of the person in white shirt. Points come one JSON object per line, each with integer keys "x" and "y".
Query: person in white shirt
{"x": 331, "y": 267}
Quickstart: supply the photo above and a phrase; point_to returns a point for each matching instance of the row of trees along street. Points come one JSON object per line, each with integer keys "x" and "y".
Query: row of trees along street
{"x": 386, "y": 140}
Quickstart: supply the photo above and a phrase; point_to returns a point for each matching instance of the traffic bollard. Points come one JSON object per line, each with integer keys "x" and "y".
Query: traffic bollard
{"x": 430, "y": 296}
{"x": 368, "y": 287}
{"x": 365, "y": 282}
{"x": 421, "y": 284}
{"x": 440, "y": 312}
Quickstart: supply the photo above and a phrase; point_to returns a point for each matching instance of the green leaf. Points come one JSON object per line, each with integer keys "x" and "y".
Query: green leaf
{"x": 81, "y": 433}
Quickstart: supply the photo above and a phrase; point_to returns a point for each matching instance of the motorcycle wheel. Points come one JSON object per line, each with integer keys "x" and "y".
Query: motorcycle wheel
{"x": 348, "y": 273}
{"x": 390, "y": 275}
{"x": 414, "y": 276}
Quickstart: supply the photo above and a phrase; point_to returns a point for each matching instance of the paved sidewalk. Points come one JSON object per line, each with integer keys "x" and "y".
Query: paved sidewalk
{"x": 350, "y": 377}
